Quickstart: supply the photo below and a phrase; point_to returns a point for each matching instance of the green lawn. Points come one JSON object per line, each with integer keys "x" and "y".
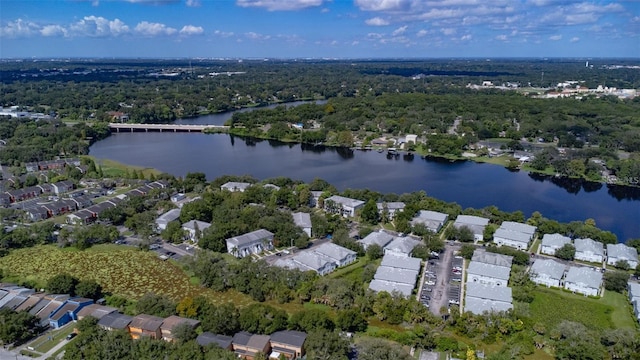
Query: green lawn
{"x": 622, "y": 310}
{"x": 351, "y": 271}
{"x": 44, "y": 344}
{"x": 551, "y": 306}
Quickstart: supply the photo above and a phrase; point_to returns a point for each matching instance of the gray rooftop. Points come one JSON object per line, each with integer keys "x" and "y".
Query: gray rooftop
{"x": 192, "y": 225}
{"x": 634, "y": 290}
{"x": 333, "y": 251}
{"x": 394, "y": 205}
{"x": 492, "y": 271}
{"x": 232, "y": 185}
{"x": 401, "y": 262}
{"x": 311, "y": 260}
{"x": 290, "y": 264}
{"x": 549, "y": 268}
{"x": 345, "y": 201}
{"x": 478, "y": 306}
{"x": 587, "y": 276}
{"x": 207, "y": 338}
{"x": 403, "y": 244}
{"x": 622, "y": 251}
{"x": 589, "y": 245}
{"x": 389, "y": 286}
{"x": 169, "y": 216}
{"x": 301, "y": 219}
{"x": 115, "y": 321}
{"x": 512, "y": 235}
{"x": 432, "y": 215}
{"x": 470, "y": 220}
{"x": 492, "y": 258}
{"x": 249, "y": 238}
{"x": 494, "y": 293}
{"x": 402, "y": 276}
{"x": 555, "y": 240}
{"x": 379, "y": 238}
{"x": 519, "y": 227}
{"x": 289, "y": 337}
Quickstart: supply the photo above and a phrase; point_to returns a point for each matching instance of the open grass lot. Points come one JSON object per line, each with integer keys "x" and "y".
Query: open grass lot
{"x": 121, "y": 270}
{"x": 352, "y": 271}
{"x": 112, "y": 168}
{"x": 551, "y": 306}
{"x": 43, "y": 344}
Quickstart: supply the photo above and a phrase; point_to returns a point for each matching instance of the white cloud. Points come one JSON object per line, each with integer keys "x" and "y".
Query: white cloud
{"x": 280, "y": 5}
{"x": 19, "y": 28}
{"x": 575, "y": 39}
{"x": 223, "y": 34}
{"x": 193, "y": 3}
{"x": 376, "y": 21}
{"x": 502, "y": 37}
{"x": 355, "y": 43}
{"x": 399, "y": 31}
{"x": 255, "y": 36}
{"x": 422, "y": 33}
{"x": 448, "y": 31}
{"x": 53, "y": 30}
{"x": 153, "y": 2}
{"x": 555, "y": 37}
{"x": 97, "y": 26}
{"x": 191, "y": 30}
{"x": 154, "y": 29}
{"x": 383, "y": 5}
{"x": 466, "y": 37}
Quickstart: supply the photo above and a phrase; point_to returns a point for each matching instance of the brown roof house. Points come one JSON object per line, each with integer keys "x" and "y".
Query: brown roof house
{"x": 207, "y": 338}
{"x": 170, "y": 323}
{"x": 95, "y": 310}
{"x": 288, "y": 343}
{"x": 247, "y": 345}
{"x": 145, "y": 325}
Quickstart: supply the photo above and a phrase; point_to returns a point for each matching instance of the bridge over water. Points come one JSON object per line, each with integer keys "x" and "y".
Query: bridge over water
{"x": 164, "y": 127}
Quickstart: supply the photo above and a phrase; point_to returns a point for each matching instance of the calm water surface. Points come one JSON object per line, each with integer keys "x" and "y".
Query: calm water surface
{"x": 469, "y": 184}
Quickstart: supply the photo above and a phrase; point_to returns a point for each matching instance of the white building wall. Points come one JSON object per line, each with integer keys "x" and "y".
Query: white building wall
{"x": 588, "y": 257}
{"x": 510, "y": 243}
{"x": 486, "y": 280}
{"x": 546, "y": 281}
{"x": 581, "y": 289}
{"x": 614, "y": 260}
{"x": 549, "y": 250}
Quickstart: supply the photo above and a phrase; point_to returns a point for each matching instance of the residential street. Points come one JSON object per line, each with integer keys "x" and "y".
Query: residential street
{"x": 443, "y": 273}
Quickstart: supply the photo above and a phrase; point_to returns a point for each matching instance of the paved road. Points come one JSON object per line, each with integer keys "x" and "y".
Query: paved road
{"x": 439, "y": 297}
{"x": 9, "y": 355}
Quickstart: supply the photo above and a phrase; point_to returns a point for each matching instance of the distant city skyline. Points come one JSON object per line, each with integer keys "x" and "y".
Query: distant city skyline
{"x": 319, "y": 28}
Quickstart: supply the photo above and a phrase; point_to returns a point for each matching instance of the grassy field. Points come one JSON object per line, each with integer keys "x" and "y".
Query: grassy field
{"x": 551, "y": 306}
{"x": 111, "y": 168}
{"x": 121, "y": 270}
{"x": 43, "y": 344}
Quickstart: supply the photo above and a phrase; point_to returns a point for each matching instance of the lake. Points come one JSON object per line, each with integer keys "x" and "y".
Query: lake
{"x": 470, "y": 184}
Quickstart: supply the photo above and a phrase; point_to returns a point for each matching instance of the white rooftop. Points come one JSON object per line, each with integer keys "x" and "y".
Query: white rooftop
{"x": 345, "y": 201}
{"x": 589, "y": 245}
{"x": 519, "y": 227}
{"x": 333, "y": 251}
{"x": 622, "y": 251}
{"x": 431, "y": 215}
{"x": 248, "y": 238}
{"x": 468, "y": 220}
{"x": 496, "y": 272}
{"x": 555, "y": 240}
{"x": 494, "y": 293}
{"x": 590, "y": 277}
{"x": 169, "y": 216}
{"x": 401, "y": 262}
{"x": 379, "y": 238}
{"x": 403, "y": 276}
{"x": 395, "y": 205}
{"x": 549, "y": 268}
{"x": 403, "y": 245}
{"x": 301, "y": 219}
{"x": 388, "y": 286}
{"x": 492, "y": 258}
{"x": 512, "y": 235}
{"x": 192, "y": 225}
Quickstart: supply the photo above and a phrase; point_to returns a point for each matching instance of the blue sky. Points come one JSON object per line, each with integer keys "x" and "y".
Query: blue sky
{"x": 319, "y": 28}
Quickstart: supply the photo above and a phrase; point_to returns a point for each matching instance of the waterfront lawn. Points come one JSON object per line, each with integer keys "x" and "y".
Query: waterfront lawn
{"x": 552, "y": 306}
{"x": 111, "y": 168}
{"x": 121, "y": 270}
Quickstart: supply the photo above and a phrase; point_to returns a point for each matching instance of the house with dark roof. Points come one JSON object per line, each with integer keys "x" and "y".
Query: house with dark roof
{"x": 622, "y": 252}
{"x": 163, "y": 220}
{"x": 251, "y": 243}
{"x": 476, "y": 224}
{"x": 344, "y": 206}
{"x": 173, "y": 321}
{"x": 222, "y": 341}
{"x": 31, "y": 301}
{"x": 62, "y": 187}
{"x": 303, "y": 221}
{"x": 547, "y": 272}
{"x": 432, "y": 220}
{"x": 68, "y": 312}
{"x": 552, "y": 242}
{"x": 145, "y": 325}
{"x": 247, "y": 345}
{"x": 81, "y": 217}
{"x": 115, "y": 321}
{"x": 583, "y": 280}
{"x": 96, "y": 311}
{"x": 37, "y": 213}
{"x": 288, "y": 343}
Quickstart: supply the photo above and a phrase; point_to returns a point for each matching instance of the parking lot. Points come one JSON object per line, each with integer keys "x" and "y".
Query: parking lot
{"x": 441, "y": 281}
